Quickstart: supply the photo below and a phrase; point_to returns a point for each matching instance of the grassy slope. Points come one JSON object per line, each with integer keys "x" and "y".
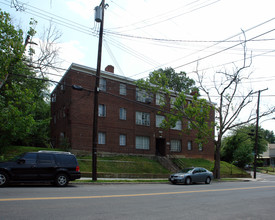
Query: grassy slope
{"x": 226, "y": 168}
{"x": 127, "y": 164}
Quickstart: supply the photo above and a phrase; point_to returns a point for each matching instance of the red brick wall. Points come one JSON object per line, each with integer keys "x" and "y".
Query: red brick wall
{"x": 78, "y": 123}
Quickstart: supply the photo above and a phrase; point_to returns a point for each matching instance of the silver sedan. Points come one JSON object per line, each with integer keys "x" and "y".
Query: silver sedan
{"x": 192, "y": 175}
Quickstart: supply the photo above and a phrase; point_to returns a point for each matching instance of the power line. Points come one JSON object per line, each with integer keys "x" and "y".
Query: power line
{"x": 112, "y": 56}
{"x": 228, "y": 48}
{"x": 169, "y": 18}
{"x": 125, "y": 49}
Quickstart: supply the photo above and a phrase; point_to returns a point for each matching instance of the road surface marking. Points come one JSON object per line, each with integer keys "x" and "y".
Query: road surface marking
{"x": 131, "y": 195}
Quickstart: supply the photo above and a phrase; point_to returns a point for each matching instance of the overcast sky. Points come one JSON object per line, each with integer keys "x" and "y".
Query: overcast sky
{"x": 143, "y": 35}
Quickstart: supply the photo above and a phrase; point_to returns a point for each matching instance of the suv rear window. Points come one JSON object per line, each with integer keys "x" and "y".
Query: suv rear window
{"x": 30, "y": 158}
{"x": 46, "y": 158}
{"x": 66, "y": 159}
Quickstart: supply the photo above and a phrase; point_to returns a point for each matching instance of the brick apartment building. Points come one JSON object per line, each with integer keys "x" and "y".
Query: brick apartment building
{"x": 128, "y": 123}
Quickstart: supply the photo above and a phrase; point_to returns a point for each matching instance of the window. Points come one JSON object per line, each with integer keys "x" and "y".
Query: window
{"x": 122, "y": 89}
{"x": 142, "y": 96}
{"x": 63, "y": 86}
{"x": 64, "y": 112}
{"x": 102, "y": 84}
{"x": 101, "y": 110}
{"x": 122, "y": 113}
{"x": 200, "y": 147}
{"x": 189, "y": 125}
{"x": 101, "y": 138}
{"x": 142, "y": 142}
{"x": 159, "y": 120}
{"x": 175, "y": 146}
{"x": 53, "y": 97}
{"x": 172, "y": 101}
{"x": 178, "y": 126}
{"x": 122, "y": 140}
{"x": 30, "y": 158}
{"x": 189, "y": 145}
{"x": 143, "y": 118}
{"x": 45, "y": 158}
{"x": 159, "y": 99}
{"x": 54, "y": 118}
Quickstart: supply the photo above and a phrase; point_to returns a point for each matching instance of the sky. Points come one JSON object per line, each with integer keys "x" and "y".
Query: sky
{"x": 144, "y": 35}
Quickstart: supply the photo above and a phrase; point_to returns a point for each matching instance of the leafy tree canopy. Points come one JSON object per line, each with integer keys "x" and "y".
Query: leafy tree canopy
{"x": 174, "y": 90}
{"x": 24, "y": 109}
{"x": 239, "y": 146}
{"x": 269, "y": 136}
{"x": 168, "y": 79}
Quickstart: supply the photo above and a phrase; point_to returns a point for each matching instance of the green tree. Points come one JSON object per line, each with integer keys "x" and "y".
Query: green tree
{"x": 238, "y": 147}
{"x": 169, "y": 79}
{"x": 269, "y": 136}
{"x": 176, "y": 88}
{"x": 24, "y": 108}
{"x": 231, "y": 98}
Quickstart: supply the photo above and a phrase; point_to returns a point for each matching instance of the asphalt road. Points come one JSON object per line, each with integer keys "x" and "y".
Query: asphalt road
{"x": 219, "y": 200}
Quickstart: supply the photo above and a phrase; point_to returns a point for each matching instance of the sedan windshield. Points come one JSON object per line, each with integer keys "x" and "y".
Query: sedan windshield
{"x": 186, "y": 170}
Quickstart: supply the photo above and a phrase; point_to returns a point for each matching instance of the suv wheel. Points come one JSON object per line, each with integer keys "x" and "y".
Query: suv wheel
{"x": 4, "y": 179}
{"x": 61, "y": 179}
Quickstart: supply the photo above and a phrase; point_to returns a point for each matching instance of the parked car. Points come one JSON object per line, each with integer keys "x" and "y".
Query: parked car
{"x": 192, "y": 175}
{"x": 44, "y": 166}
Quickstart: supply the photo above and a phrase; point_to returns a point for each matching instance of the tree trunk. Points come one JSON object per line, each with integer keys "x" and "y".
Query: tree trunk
{"x": 217, "y": 167}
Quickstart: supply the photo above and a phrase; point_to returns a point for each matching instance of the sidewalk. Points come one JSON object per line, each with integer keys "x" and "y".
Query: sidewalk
{"x": 163, "y": 179}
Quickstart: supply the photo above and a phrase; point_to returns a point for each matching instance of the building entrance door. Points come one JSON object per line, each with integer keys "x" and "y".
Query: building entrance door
{"x": 160, "y": 147}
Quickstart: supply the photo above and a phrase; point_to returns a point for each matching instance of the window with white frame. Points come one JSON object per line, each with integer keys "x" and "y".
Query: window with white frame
{"x": 175, "y": 146}
{"x": 189, "y": 125}
{"x": 159, "y": 120}
{"x": 159, "y": 99}
{"x": 122, "y": 113}
{"x": 101, "y": 110}
{"x": 53, "y": 97}
{"x": 172, "y": 101}
{"x": 189, "y": 145}
{"x": 143, "y": 118}
{"x": 142, "y": 95}
{"x": 102, "y": 84}
{"x": 178, "y": 126}
{"x": 122, "y": 89}
{"x": 101, "y": 138}
{"x": 200, "y": 147}
{"x": 122, "y": 140}
{"x": 142, "y": 142}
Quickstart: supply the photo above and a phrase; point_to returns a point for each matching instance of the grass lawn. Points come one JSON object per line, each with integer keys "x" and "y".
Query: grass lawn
{"x": 128, "y": 164}
{"x": 226, "y": 168}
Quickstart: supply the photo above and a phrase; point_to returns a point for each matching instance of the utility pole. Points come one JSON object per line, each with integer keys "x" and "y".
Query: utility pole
{"x": 257, "y": 133}
{"x": 96, "y": 90}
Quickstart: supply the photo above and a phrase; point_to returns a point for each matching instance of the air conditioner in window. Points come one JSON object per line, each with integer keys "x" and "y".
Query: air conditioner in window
{"x": 148, "y": 100}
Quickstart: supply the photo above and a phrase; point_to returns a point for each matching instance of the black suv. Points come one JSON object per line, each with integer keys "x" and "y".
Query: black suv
{"x": 43, "y": 166}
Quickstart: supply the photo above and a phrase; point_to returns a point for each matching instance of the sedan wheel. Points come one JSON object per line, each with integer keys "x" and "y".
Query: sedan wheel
{"x": 188, "y": 181}
{"x": 3, "y": 179}
{"x": 61, "y": 179}
{"x": 208, "y": 180}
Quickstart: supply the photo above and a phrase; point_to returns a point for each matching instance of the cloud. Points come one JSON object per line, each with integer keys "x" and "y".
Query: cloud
{"x": 71, "y": 52}
{"x": 83, "y": 8}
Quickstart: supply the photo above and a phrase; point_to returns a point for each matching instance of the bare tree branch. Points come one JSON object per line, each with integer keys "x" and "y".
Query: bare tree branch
{"x": 47, "y": 58}
{"x": 230, "y": 104}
